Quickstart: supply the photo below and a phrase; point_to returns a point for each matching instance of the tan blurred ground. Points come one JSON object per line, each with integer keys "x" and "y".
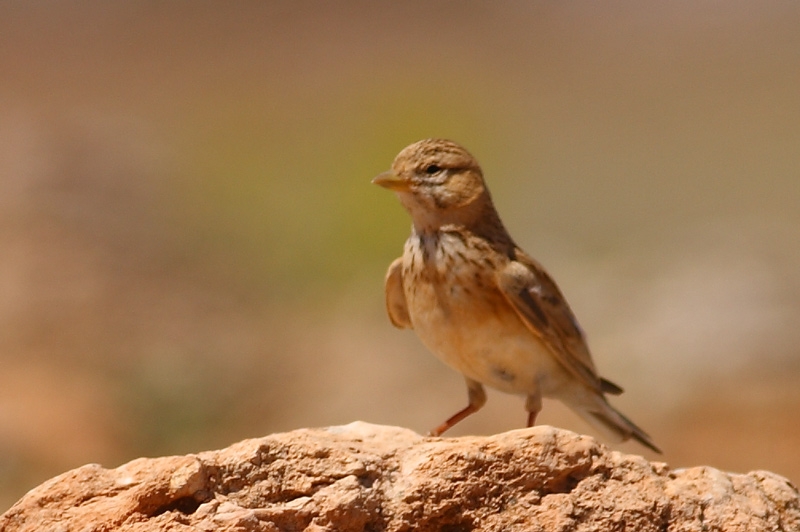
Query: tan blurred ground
{"x": 192, "y": 253}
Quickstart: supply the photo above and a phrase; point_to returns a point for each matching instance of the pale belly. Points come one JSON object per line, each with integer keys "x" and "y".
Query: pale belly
{"x": 472, "y": 329}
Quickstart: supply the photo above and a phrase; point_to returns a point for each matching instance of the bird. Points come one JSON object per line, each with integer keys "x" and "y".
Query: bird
{"x": 481, "y": 304}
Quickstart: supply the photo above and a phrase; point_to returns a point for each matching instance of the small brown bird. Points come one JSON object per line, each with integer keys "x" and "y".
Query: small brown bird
{"x": 479, "y": 302}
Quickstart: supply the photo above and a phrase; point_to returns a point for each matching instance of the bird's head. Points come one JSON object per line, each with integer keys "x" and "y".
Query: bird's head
{"x": 438, "y": 182}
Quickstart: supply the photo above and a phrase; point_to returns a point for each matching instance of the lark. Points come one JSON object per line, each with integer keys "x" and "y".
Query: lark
{"x": 481, "y": 304}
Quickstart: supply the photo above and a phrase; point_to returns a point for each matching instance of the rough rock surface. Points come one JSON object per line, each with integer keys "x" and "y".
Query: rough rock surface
{"x": 367, "y": 477}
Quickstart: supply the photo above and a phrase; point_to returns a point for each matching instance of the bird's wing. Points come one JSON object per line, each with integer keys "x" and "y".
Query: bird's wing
{"x": 395, "y": 296}
{"x": 539, "y": 303}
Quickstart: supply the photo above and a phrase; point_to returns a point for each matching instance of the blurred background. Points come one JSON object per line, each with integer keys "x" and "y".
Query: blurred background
{"x": 191, "y": 252}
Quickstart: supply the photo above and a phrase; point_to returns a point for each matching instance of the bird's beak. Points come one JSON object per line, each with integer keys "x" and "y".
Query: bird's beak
{"x": 391, "y": 181}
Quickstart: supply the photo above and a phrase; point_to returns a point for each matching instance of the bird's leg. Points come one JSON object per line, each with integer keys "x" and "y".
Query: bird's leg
{"x": 533, "y": 404}
{"x": 477, "y": 398}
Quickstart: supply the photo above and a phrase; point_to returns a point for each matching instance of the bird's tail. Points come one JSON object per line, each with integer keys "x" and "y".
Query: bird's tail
{"x": 611, "y": 421}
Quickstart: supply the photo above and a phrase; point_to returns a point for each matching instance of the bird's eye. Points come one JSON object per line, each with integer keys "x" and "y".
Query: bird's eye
{"x": 433, "y": 169}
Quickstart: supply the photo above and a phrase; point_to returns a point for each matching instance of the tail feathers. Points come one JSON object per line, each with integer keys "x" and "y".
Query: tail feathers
{"x": 609, "y": 387}
{"x": 609, "y": 420}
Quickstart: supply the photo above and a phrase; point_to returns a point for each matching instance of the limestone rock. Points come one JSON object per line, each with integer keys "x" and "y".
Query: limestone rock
{"x": 365, "y": 477}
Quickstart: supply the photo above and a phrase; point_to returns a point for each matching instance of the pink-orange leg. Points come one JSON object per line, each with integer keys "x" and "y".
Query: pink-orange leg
{"x": 533, "y": 404}
{"x": 477, "y": 398}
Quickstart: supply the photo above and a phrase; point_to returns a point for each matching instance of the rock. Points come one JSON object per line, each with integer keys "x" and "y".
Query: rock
{"x": 366, "y": 477}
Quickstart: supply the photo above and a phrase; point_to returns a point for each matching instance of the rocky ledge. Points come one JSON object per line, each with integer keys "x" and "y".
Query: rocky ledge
{"x": 363, "y": 477}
